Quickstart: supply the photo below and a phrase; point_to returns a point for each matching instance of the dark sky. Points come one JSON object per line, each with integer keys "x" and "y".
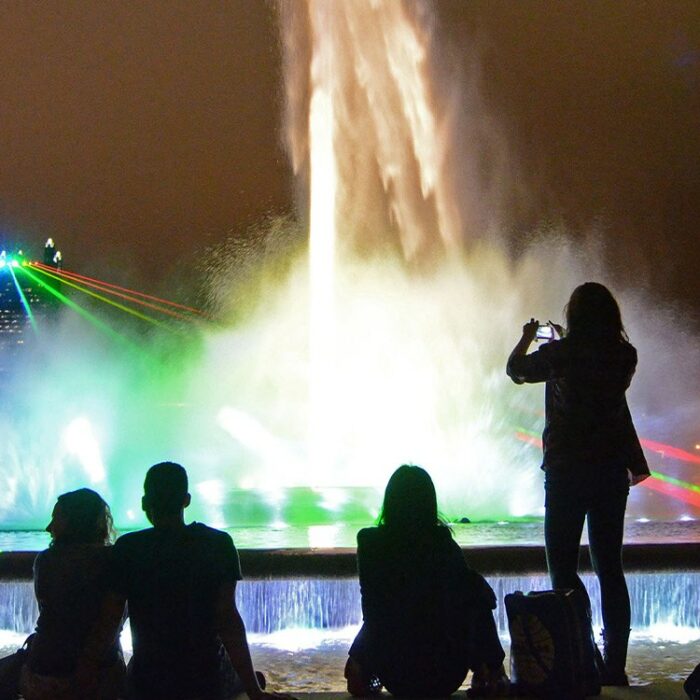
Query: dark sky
{"x": 140, "y": 132}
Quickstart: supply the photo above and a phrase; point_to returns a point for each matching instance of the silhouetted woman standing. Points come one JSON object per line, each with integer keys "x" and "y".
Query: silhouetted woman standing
{"x": 591, "y": 451}
{"x": 427, "y": 616}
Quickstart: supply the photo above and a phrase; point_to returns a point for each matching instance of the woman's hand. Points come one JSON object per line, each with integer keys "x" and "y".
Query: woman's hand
{"x": 636, "y": 478}
{"x": 530, "y": 330}
{"x": 559, "y": 330}
{"x": 529, "y": 333}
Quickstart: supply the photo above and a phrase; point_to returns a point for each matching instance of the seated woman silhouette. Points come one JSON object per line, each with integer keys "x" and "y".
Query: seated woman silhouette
{"x": 69, "y": 582}
{"x": 427, "y": 616}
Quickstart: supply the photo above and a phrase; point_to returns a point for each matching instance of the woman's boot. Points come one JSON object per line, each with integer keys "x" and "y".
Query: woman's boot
{"x": 360, "y": 684}
{"x": 615, "y": 657}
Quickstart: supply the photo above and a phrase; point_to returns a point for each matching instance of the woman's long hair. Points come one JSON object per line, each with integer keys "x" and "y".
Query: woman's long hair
{"x": 87, "y": 517}
{"x": 410, "y": 502}
{"x": 593, "y": 314}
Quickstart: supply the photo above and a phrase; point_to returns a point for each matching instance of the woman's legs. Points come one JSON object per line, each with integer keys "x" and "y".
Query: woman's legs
{"x": 486, "y": 658}
{"x": 563, "y": 525}
{"x": 485, "y": 645}
{"x": 361, "y": 680}
{"x": 605, "y": 532}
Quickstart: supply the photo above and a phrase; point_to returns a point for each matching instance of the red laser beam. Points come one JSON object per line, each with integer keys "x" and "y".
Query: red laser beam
{"x": 529, "y": 439}
{"x": 677, "y": 492}
{"x": 671, "y": 490}
{"x": 134, "y": 300}
{"x": 76, "y": 275}
{"x": 670, "y": 451}
{"x": 661, "y": 448}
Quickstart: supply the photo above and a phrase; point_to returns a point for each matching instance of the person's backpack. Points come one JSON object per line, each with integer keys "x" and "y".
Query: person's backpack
{"x": 692, "y": 684}
{"x": 553, "y": 653}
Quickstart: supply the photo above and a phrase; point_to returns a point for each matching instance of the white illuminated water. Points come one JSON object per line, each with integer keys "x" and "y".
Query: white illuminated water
{"x": 300, "y": 630}
{"x": 663, "y": 604}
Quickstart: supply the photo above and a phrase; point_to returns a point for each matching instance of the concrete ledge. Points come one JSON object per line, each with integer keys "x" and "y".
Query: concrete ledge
{"x": 340, "y": 563}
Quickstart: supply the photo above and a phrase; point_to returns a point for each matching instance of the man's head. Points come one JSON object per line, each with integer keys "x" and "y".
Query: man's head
{"x": 165, "y": 492}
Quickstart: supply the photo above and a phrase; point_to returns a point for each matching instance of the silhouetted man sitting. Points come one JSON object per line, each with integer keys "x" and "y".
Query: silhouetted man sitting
{"x": 179, "y": 581}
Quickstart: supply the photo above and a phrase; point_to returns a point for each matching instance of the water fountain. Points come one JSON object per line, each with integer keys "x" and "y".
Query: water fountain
{"x": 386, "y": 344}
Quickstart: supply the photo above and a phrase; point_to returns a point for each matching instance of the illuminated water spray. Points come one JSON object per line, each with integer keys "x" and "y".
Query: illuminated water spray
{"x": 387, "y": 344}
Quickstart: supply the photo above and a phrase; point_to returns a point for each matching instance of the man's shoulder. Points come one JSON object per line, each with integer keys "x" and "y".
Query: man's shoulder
{"x": 212, "y": 544}
{"x": 211, "y": 534}
{"x": 194, "y": 532}
{"x": 135, "y": 537}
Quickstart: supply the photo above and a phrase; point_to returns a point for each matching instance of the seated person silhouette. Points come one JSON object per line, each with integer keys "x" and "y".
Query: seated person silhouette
{"x": 427, "y": 616}
{"x": 69, "y": 583}
{"x": 179, "y": 581}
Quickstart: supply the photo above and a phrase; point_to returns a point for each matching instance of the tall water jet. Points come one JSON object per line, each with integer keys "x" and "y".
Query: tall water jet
{"x": 322, "y": 235}
{"x": 372, "y": 138}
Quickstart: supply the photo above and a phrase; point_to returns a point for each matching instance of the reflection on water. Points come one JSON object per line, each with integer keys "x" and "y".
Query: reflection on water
{"x": 343, "y": 535}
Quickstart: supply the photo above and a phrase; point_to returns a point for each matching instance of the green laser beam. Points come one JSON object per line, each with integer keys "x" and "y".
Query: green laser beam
{"x": 106, "y": 288}
{"x": 116, "y": 304}
{"x": 676, "y": 482}
{"x": 24, "y": 301}
{"x": 530, "y": 433}
{"x": 96, "y": 322}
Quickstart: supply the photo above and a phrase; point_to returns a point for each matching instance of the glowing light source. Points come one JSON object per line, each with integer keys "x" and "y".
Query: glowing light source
{"x": 24, "y": 301}
{"x": 80, "y": 440}
{"x": 211, "y": 491}
{"x": 323, "y": 536}
{"x": 97, "y": 323}
{"x": 270, "y": 450}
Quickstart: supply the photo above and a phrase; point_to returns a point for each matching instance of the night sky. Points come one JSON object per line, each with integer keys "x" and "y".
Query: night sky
{"x": 138, "y": 133}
